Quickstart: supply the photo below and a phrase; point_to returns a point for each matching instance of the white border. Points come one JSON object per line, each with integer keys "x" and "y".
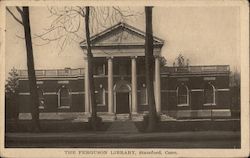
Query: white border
{"x": 243, "y": 46}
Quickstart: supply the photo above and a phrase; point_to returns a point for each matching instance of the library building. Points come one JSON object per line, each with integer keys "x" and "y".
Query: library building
{"x": 120, "y": 86}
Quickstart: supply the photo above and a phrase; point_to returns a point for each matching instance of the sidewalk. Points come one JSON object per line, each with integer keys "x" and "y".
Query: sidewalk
{"x": 202, "y": 139}
{"x": 120, "y": 137}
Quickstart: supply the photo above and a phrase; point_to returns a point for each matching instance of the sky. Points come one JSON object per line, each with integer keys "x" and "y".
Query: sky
{"x": 204, "y": 35}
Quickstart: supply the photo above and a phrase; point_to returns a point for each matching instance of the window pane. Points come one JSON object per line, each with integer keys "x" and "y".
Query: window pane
{"x": 143, "y": 97}
{"x": 100, "y": 96}
{"x": 182, "y": 95}
{"x": 209, "y": 94}
{"x": 64, "y": 97}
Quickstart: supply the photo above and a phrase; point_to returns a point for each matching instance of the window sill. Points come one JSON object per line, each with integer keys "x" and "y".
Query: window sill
{"x": 41, "y": 107}
{"x": 64, "y": 107}
{"x": 209, "y": 104}
{"x": 101, "y": 105}
{"x": 182, "y": 105}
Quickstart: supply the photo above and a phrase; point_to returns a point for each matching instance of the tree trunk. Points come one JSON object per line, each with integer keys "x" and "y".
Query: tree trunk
{"x": 90, "y": 67}
{"x": 149, "y": 66}
{"x": 34, "y": 100}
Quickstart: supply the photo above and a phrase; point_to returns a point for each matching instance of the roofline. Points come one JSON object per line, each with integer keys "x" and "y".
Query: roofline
{"x": 121, "y": 24}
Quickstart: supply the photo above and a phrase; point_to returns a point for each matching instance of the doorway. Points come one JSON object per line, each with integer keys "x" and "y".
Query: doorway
{"x": 122, "y": 103}
{"x": 122, "y": 97}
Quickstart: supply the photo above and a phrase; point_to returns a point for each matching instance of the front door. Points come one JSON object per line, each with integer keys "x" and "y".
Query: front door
{"x": 122, "y": 102}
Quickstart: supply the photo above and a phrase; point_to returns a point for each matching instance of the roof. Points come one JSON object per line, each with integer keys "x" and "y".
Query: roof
{"x": 121, "y": 34}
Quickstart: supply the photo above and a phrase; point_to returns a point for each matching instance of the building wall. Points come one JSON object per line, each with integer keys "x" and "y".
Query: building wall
{"x": 169, "y": 84}
{"x": 195, "y": 86}
{"x": 50, "y": 88}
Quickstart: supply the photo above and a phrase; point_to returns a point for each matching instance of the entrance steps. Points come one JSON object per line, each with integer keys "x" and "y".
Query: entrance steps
{"x": 123, "y": 117}
{"x": 164, "y": 117}
{"x": 120, "y": 126}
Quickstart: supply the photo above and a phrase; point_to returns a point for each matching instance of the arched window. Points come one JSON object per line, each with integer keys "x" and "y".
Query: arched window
{"x": 100, "y": 96}
{"x": 41, "y": 98}
{"x": 182, "y": 95}
{"x": 64, "y": 98}
{"x": 143, "y": 95}
{"x": 209, "y": 94}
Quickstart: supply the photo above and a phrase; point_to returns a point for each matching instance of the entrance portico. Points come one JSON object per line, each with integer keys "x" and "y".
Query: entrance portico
{"x": 120, "y": 47}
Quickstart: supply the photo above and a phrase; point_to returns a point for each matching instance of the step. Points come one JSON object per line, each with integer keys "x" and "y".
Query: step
{"x": 123, "y": 117}
{"x": 122, "y": 127}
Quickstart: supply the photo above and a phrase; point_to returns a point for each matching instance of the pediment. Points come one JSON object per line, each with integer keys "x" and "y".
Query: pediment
{"x": 121, "y": 34}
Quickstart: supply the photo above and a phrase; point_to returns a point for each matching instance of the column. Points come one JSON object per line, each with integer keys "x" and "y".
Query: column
{"x": 86, "y": 82}
{"x": 157, "y": 85}
{"x": 110, "y": 86}
{"x": 134, "y": 85}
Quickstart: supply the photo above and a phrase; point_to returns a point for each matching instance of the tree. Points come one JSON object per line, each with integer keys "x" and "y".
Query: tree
{"x": 149, "y": 67}
{"x": 94, "y": 120}
{"x": 34, "y": 100}
{"x": 180, "y": 61}
{"x": 11, "y": 95}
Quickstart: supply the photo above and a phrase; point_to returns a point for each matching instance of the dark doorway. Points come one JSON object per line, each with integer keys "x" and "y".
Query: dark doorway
{"x": 122, "y": 102}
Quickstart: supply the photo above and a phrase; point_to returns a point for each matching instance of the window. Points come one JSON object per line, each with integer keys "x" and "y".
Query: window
{"x": 64, "y": 98}
{"x": 100, "y": 96}
{"x": 143, "y": 95}
{"x": 41, "y": 98}
{"x": 209, "y": 94}
{"x": 100, "y": 69}
{"x": 182, "y": 95}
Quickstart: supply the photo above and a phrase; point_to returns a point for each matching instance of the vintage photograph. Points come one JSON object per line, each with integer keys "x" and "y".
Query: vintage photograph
{"x": 123, "y": 77}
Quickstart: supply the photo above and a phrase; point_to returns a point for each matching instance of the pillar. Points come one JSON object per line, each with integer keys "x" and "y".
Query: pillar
{"x": 157, "y": 85}
{"x": 134, "y": 85}
{"x": 86, "y": 82}
{"x": 110, "y": 86}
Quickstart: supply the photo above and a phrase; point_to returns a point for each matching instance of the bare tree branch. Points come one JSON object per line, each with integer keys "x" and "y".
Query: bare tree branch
{"x": 19, "y": 10}
{"x": 67, "y": 25}
{"x": 12, "y": 14}
{"x": 21, "y": 37}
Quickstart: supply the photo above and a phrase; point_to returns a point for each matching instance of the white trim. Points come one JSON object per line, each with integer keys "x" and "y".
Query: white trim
{"x": 39, "y": 82}
{"x": 77, "y": 92}
{"x": 59, "y": 99}
{"x": 187, "y": 101}
{"x": 182, "y": 105}
{"x": 123, "y": 26}
{"x": 209, "y": 78}
{"x": 64, "y": 107}
{"x": 213, "y": 103}
{"x": 225, "y": 89}
{"x": 209, "y": 104}
{"x": 57, "y": 78}
{"x": 24, "y": 93}
{"x": 41, "y": 107}
{"x": 62, "y": 82}
{"x": 49, "y": 93}
{"x": 44, "y": 93}
{"x": 197, "y": 90}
